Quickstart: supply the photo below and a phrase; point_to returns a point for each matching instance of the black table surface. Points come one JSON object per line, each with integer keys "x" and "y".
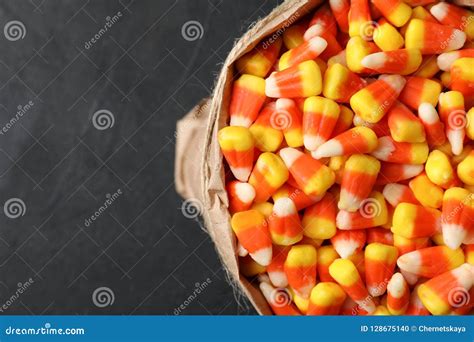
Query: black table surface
{"x": 90, "y": 92}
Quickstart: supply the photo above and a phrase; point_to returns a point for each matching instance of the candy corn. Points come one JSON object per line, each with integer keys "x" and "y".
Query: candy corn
{"x": 398, "y": 295}
{"x": 319, "y": 119}
{"x": 326, "y": 255}
{"x": 462, "y": 76}
{"x": 404, "y": 125}
{"x": 359, "y": 19}
{"x": 241, "y": 196}
{"x": 432, "y": 38}
{"x": 440, "y": 294}
{"x": 347, "y": 243}
{"x": 275, "y": 269}
{"x": 340, "y": 9}
{"x": 396, "y": 193}
{"x": 432, "y": 261}
{"x": 451, "y": 111}
{"x": 392, "y": 173}
{"x": 373, "y": 102}
{"x": 302, "y": 80}
{"x": 360, "y": 174}
{"x": 400, "y": 152}
{"x": 260, "y": 60}
{"x": 349, "y": 159}
{"x": 284, "y": 223}
{"x": 396, "y": 11}
{"x": 289, "y": 119}
{"x": 386, "y": 37}
{"x": 380, "y": 262}
{"x": 248, "y": 95}
{"x": 457, "y": 216}
{"x": 326, "y": 299}
{"x": 267, "y": 176}
{"x": 340, "y": 83}
{"x": 265, "y": 129}
{"x": 237, "y": 146}
{"x": 319, "y": 220}
{"x": 306, "y": 51}
{"x": 300, "y": 269}
{"x": 346, "y": 275}
{"x": 420, "y": 90}
{"x": 312, "y": 177}
{"x": 446, "y": 60}
{"x": 434, "y": 128}
{"x": 454, "y": 16}
{"x": 415, "y": 221}
{"x": 356, "y": 140}
{"x": 373, "y": 212}
{"x": 465, "y": 169}
{"x": 252, "y": 231}
{"x": 427, "y": 193}
{"x": 402, "y": 62}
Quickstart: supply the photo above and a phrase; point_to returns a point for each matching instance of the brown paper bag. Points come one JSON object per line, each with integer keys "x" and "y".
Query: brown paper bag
{"x": 199, "y": 171}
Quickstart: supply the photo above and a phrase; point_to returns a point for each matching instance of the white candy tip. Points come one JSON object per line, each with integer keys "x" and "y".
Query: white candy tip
{"x": 245, "y": 192}
{"x": 271, "y": 86}
{"x": 392, "y": 192}
{"x": 374, "y": 61}
{"x": 445, "y": 60}
{"x": 278, "y": 279}
{"x": 330, "y": 148}
{"x": 242, "y": 174}
{"x": 397, "y": 285}
{"x": 284, "y": 206}
{"x": 410, "y": 262}
{"x": 312, "y": 142}
{"x": 410, "y": 170}
{"x": 397, "y": 82}
{"x": 439, "y": 11}
{"x": 346, "y": 248}
{"x": 453, "y": 235}
{"x": 427, "y": 113}
{"x": 457, "y": 40}
{"x": 263, "y": 256}
{"x": 289, "y": 155}
{"x": 240, "y": 121}
{"x": 343, "y": 220}
{"x": 313, "y": 31}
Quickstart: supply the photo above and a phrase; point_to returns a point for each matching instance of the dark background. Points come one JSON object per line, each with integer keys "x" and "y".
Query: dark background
{"x": 53, "y": 159}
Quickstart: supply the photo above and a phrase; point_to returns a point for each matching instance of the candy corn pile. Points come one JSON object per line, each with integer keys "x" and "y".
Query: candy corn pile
{"x": 350, "y": 161}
